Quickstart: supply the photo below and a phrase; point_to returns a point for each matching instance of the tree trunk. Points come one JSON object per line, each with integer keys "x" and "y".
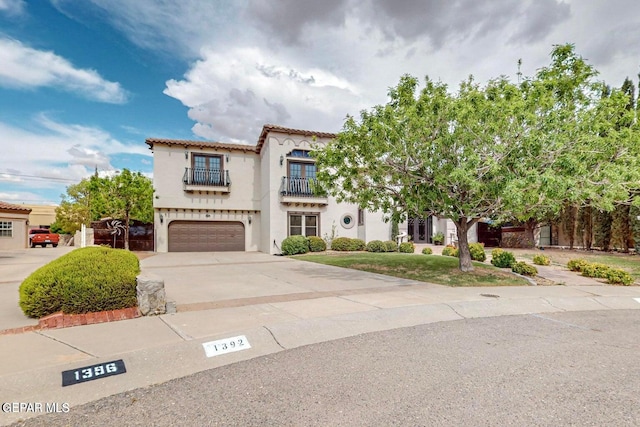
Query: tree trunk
{"x": 126, "y": 230}
{"x": 529, "y": 228}
{"x": 462, "y": 227}
{"x": 627, "y": 237}
{"x": 587, "y": 226}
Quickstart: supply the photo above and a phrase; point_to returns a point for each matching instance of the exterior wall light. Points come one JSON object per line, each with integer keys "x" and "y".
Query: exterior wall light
{"x": 186, "y": 154}
{"x": 281, "y": 159}
{"x": 250, "y": 218}
{"x": 161, "y": 218}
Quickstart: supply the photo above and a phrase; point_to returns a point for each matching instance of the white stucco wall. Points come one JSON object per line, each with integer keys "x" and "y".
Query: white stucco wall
{"x": 174, "y": 203}
{"x": 275, "y": 212}
{"x": 20, "y": 237}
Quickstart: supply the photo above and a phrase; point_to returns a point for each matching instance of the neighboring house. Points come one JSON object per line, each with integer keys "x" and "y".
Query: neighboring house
{"x": 212, "y": 196}
{"x": 14, "y": 220}
{"x": 41, "y": 216}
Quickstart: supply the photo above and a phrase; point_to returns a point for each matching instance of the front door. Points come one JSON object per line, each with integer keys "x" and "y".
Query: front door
{"x": 420, "y": 229}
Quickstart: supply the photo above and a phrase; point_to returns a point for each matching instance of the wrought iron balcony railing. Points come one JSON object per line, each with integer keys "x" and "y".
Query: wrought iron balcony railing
{"x": 301, "y": 187}
{"x": 206, "y": 177}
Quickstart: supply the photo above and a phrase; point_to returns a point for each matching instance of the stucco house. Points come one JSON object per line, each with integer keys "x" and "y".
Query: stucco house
{"x": 14, "y": 220}
{"x": 212, "y": 196}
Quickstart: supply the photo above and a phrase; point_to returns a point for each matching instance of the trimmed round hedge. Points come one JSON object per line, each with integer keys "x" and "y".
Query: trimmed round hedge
{"x": 83, "y": 281}
{"x": 293, "y": 245}
{"x": 503, "y": 259}
{"x": 390, "y": 246}
{"x": 347, "y": 244}
{"x": 406, "y": 248}
{"x": 316, "y": 244}
{"x": 376, "y": 246}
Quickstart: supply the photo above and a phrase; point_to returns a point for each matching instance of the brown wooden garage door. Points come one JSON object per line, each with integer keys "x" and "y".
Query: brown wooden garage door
{"x": 206, "y": 236}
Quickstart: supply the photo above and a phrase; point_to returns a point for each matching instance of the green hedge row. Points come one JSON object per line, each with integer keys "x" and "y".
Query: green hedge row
{"x": 615, "y": 276}
{"x": 82, "y": 281}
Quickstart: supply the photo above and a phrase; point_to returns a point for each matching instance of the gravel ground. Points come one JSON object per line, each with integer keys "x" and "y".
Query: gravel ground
{"x": 562, "y": 369}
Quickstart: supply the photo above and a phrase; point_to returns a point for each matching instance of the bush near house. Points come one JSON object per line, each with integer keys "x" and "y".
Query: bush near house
{"x": 83, "y": 281}
{"x": 524, "y": 269}
{"x": 340, "y": 244}
{"x": 407, "y": 248}
{"x": 356, "y": 245}
{"x": 450, "y": 251}
{"x": 293, "y": 245}
{"x": 427, "y": 251}
{"x": 391, "y": 246}
{"x": 348, "y": 244}
{"x": 316, "y": 244}
{"x": 502, "y": 259}
{"x": 376, "y": 246}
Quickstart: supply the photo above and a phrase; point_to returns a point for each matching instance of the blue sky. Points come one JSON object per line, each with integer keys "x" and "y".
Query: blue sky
{"x": 83, "y": 83}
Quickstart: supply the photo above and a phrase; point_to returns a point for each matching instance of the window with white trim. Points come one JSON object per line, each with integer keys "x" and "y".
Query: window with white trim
{"x": 304, "y": 224}
{"x": 6, "y": 229}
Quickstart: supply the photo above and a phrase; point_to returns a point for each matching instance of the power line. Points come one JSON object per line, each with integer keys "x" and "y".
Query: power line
{"x": 44, "y": 178}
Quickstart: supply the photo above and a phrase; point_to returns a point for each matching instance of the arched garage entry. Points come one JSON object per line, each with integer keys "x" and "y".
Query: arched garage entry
{"x": 206, "y": 236}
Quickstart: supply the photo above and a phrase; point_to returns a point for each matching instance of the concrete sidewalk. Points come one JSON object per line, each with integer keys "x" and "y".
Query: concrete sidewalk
{"x": 275, "y": 302}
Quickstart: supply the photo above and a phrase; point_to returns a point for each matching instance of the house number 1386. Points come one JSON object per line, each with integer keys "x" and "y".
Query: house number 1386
{"x": 95, "y": 371}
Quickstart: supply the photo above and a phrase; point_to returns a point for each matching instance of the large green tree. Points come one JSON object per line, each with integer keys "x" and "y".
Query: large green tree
{"x": 499, "y": 150}
{"x": 574, "y": 153}
{"x": 125, "y": 196}
{"x": 429, "y": 152}
{"x": 131, "y": 197}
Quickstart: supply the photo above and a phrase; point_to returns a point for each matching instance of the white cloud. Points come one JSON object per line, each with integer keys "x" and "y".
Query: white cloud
{"x": 231, "y": 94}
{"x": 24, "y": 67}
{"x": 12, "y": 8}
{"x": 49, "y": 154}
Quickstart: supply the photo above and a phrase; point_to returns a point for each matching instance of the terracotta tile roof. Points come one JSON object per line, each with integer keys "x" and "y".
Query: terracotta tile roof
{"x": 239, "y": 147}
{"x": 9, "y": 207}
{"x": 200, "y": 144}
{"x": 275, "y": 128}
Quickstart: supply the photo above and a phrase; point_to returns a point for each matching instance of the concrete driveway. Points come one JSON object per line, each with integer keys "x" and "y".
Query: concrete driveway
{"x": 15, "y": 266}
{"x": 196, "y": 281}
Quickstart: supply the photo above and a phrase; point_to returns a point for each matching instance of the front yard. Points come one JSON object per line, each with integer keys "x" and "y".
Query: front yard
{"x": 425, "y": 268}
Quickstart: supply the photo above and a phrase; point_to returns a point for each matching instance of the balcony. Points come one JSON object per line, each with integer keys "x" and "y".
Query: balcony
{"x": 202, "y": 179}
{"x": 305, "y": 191}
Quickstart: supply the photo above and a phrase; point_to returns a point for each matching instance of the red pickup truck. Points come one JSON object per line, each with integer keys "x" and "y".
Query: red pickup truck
{"x": 43, "y": 237}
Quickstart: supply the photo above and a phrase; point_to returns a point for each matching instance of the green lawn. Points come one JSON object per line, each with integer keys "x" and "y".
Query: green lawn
{"x": 425, "y": 268}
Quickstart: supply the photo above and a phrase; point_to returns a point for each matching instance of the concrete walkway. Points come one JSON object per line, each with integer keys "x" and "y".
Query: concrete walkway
{"x": 275, "y": 302}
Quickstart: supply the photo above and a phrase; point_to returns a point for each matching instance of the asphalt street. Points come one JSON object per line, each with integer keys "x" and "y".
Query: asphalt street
{"x": 554, "y": 369}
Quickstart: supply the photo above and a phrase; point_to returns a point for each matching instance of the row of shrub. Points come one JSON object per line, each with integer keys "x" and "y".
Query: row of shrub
{"x": 82, "y": 281}
{"x": 293, "y": 245}
{"x": 380, "y": 246}
{"x": 615, "y": 276}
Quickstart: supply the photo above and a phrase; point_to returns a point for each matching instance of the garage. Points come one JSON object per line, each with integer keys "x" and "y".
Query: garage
{"x": 206, "y": 236}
